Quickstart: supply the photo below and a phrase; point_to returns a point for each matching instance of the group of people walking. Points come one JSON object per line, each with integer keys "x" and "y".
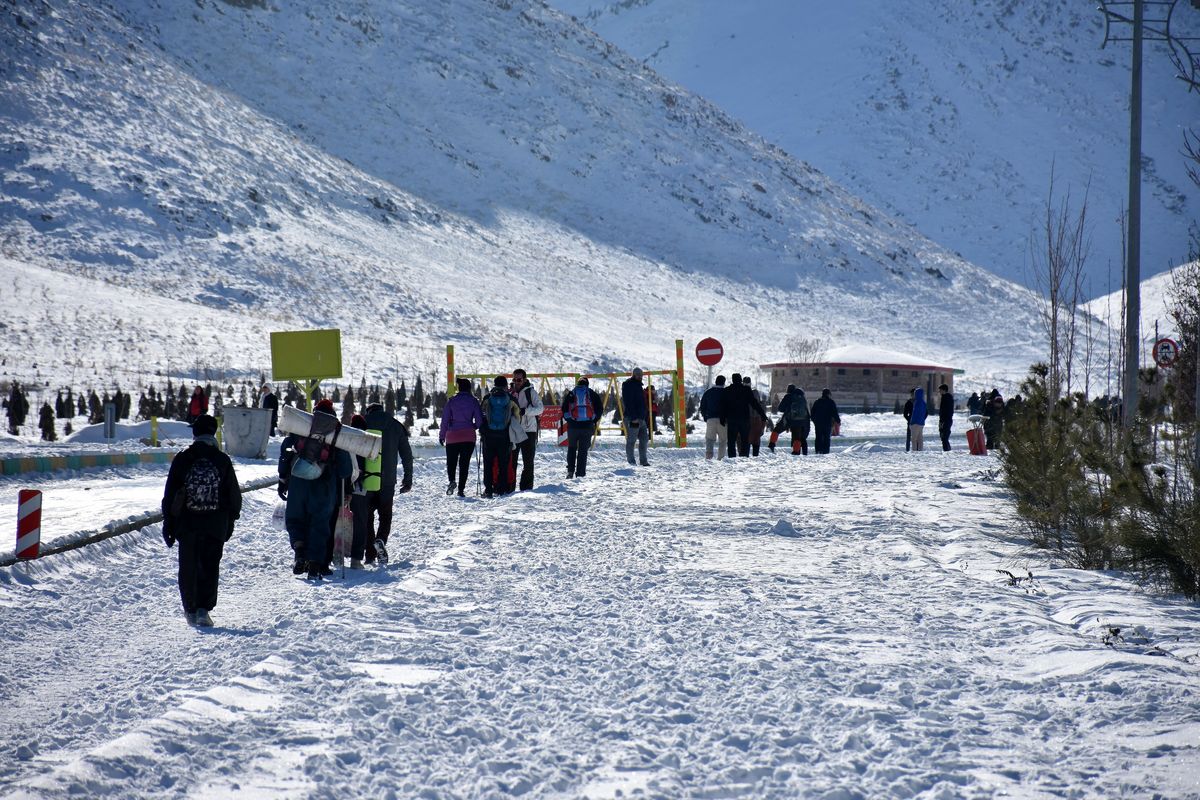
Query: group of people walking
{"x": 735, "y": 419}
{"x": 321, "y": 482}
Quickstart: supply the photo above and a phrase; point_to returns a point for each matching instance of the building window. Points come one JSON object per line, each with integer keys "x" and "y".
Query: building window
{"x": 866, "y": 372}
{"x": 816, "y": 372}
{"x": 795, "y": 372}
{"x": 841, "y": 371}
{"x": 914, "y": 373}
{"x": 895, "y": 373}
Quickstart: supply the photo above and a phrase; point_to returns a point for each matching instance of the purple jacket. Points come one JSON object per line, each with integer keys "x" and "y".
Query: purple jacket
{"x": 461, "y": 417}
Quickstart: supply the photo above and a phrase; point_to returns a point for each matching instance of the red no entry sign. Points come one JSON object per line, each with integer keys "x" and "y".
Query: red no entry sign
{"x": 1166, "y": 351}
{"x": 709, "y": 351}
{"x": 29, "y": 523}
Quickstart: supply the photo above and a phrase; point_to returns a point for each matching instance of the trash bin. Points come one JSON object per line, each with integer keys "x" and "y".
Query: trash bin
{"x": 246, "y": 431}
{"x": 976, "y": 441}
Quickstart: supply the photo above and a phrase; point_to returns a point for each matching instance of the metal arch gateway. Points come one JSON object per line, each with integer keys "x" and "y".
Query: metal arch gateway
{"x": 677, "y": 391}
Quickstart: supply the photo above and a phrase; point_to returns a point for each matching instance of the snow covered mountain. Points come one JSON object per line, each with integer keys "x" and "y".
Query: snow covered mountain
{"x": 180, "y": 179}
{"x": 947, "y": 115}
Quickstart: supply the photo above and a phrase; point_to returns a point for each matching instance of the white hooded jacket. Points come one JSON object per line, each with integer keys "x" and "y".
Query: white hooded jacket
{"x": 530, "y": 403}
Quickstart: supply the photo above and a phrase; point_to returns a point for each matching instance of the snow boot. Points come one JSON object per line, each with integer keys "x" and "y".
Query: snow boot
{"x": 774, "y": 439}
{"x": 450, "y": 488}
{"x": 355, "y": 564}
{"x": 299, "y": 565}
{"x": 203, "y": 619}
{"x": 381, "y": 551}
{"x": 314, "y": 570}
{"x": 190, "y": 616}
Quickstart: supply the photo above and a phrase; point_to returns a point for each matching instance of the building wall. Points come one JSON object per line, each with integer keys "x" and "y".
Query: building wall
{"x": 878, "y": 387}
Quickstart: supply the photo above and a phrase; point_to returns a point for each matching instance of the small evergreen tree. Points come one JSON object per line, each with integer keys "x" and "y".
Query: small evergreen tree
{"x": 347, "y": 406}
{"x": 389, "y": 400}
{"x": 418, "y": 397}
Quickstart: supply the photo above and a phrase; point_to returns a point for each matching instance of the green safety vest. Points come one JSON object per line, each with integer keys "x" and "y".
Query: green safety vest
{"x": 374, "y": 469}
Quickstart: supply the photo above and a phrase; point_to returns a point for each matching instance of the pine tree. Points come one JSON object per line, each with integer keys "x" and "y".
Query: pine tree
{"x": 82, "y": 410}
{"x": 348, "y": 406}
{"x": 389, "y": 400}
{"x": 401, "y": 396}
{"x": 419, "y": 400}
{"x": 337, "y": 394}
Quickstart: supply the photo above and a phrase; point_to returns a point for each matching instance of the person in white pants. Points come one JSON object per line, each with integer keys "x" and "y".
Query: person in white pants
{"x": 710, "y": 410}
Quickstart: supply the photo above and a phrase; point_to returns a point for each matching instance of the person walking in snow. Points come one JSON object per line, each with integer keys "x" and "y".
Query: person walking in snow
{"x": 794, "y": 417}
{"x": 824, "y": 414}
{"x": 270, "y": 401}
{"x": 636, "y": 417}
{"x": 197, "y": 405}
{"x": 461, "y": 418}
{"x": 916, "y": 423}
{"x": 581, "y": 409}
{"x": 201, "y": 502}
{"x": 310, "y": 474}
{"x": 945, "y": 415}
{"x": 500, "y": 417}
{"x": 758, "y": 419}
{"x": 993, "y": 423}
{"x": 974, "y": 404}
{"x": 379, "y": 481}
{"x": 739, "y": 401}
{"x": 908, "y": 409}
{"x": 711, "y": 403}
{"x": 529, "y": 408}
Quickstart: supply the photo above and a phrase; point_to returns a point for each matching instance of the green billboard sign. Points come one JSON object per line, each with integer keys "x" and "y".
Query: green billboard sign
{"x": 306, "y": 355}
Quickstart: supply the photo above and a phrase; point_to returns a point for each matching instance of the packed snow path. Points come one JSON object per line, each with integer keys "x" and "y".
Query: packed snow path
{"x": 824, "y": 627}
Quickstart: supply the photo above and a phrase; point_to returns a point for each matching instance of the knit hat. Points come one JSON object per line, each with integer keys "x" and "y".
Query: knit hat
{"x": 325, "y": 406}
{"x": 204, "y": 425}
{"x": 358, "y": 421}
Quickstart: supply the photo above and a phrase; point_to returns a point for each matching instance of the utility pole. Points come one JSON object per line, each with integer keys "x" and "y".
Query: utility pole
{"x": 1116, "y": 16}
{"x": 1133, "y": 256}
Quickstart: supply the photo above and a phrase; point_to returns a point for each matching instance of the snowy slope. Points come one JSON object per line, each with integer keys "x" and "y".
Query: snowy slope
{"x": 1156, "y": 304}
{"x": 685, "y": 630}
{"x": 484, "y": 173}
{"x": 949, "y": 115}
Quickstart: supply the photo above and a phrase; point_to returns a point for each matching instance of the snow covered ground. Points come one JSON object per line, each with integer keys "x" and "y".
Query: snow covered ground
{"x": 824, "y": 627}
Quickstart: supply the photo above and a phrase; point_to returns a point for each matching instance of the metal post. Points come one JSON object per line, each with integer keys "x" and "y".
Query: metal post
{"x": 451, "y": 384}
{"x": 1196, "y": 398}
{"x": 1133, "y": 268}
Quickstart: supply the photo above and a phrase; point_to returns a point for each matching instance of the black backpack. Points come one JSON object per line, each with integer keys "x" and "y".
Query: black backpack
{"x": 200, "y": 492}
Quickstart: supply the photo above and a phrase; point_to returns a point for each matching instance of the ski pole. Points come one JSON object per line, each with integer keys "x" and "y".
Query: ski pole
{"x": 478, "y": 469}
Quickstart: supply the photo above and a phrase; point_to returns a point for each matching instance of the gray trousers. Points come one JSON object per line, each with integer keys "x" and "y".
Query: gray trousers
{"x": 636, "y": 431}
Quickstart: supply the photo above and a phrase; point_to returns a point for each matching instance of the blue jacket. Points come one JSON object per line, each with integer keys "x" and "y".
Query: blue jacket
{"x": 633, "y": 400}
{"x": 920, "y": 409}
{"x": 711, "y": 401}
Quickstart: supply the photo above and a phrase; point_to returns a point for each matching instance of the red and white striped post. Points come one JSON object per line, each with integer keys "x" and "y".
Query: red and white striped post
{"x": 29, "y": 523}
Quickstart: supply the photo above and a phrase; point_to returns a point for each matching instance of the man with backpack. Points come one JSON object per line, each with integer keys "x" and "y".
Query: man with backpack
{"x": 710, "y": 411}
{"x": 311, "y": 472}
{"x": 636, "y": 416}
{"x": 794, "y": 416}
{"x": 379, "y": 478}
{"x": 201, "y": 501}
{"x": 500, "y": 415}
{"x": 581, "y": 409}
{"x": 529, "y": 408}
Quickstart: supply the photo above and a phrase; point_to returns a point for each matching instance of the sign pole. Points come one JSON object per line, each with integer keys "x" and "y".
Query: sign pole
{"x": 1196, "y": 397}
{"x": 680, "y": 400}
{"x": 451, "y": 385}
{"x": 29, "y": 523}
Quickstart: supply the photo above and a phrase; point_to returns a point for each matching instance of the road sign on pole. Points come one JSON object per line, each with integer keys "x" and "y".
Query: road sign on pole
{"x": 1165, "y": 352}
{"x": 29, "y": 523}
{"x": 709, "y": 351}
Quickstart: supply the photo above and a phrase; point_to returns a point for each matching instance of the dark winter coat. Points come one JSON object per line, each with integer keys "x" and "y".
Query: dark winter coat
{"x": 824, "y": 412}
{"x": 974, "y": 404}
{"x": 711, "y": 401}
{"x": 395, "y": 443}
{"x": 633, "y": 401}
{"x": 946, "y": 410}
{"x": 737, "y": 402}
{"x": 271, "y": 401}
{"x": 794, "y": 400}
{"x": 908, "y": 409}
{"x": 320, "y": 494}
{"x": 177, "y": 519}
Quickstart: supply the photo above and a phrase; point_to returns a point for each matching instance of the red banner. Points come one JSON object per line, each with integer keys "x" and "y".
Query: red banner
{"x": 550, "y": 418}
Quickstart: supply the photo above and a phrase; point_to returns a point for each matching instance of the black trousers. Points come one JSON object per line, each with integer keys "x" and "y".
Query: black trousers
{"x": 497, "y": 462}
{"x": 579, "y": 441}
{"x": 199, "y": 568}
{"x": 739, "y": 437}
{"x": 525, "y": 451}
{"x": 458, "y": 456}
{"x": 822, "y": 434}
{"x": 944, "y": 432}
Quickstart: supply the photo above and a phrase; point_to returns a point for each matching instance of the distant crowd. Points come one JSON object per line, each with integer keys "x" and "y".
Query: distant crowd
{"x": 327, "y": 490}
